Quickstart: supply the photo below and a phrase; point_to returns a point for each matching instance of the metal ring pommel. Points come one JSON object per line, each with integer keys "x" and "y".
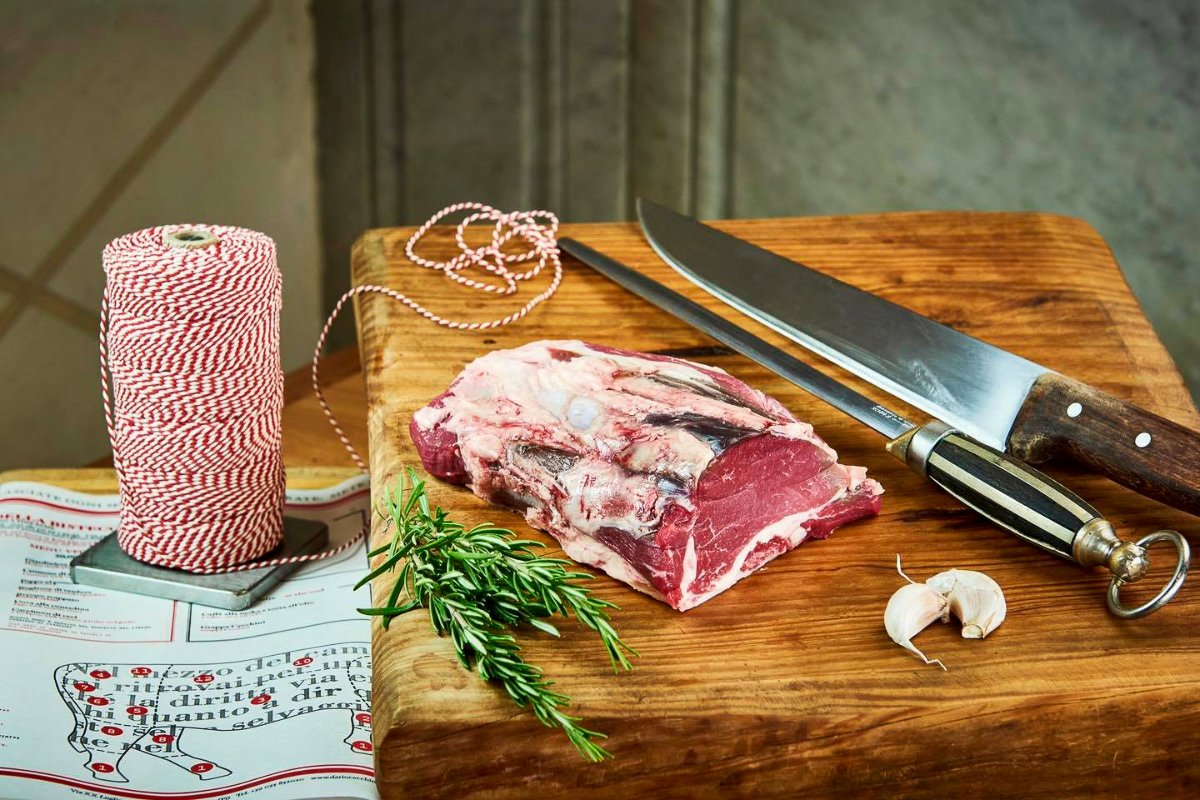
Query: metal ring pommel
{"x": 1130, "y": 561}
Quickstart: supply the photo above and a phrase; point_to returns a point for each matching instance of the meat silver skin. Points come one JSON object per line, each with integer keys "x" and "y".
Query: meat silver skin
{"x": 673, "y": 477}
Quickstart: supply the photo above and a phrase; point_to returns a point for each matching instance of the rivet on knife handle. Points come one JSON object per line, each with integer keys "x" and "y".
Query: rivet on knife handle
{"x": 1036, "y": 508}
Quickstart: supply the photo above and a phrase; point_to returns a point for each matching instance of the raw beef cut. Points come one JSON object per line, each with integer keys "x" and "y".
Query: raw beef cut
{"x": 671, "y": 476}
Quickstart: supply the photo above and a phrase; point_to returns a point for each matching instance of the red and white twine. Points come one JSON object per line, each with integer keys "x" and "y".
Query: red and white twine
{"x": 538, "y": 229}
{"x": 190, "y": 343}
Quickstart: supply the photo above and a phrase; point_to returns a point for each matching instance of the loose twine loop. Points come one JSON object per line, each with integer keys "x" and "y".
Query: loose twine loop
{"x": 542, "y": 238}
{"x": 189, "y": 340}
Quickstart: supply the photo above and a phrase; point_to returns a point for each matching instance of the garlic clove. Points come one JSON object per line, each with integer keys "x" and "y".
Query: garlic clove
{"x": 911, "y": 610}
{"x": 974, "y": 598}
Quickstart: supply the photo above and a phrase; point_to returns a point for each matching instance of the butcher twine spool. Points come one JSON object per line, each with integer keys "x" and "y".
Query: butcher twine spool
{"x": 190, "y": 341}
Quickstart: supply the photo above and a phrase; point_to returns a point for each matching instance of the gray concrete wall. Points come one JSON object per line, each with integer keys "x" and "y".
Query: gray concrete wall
{"x": 117, "y": 116}
{"x": 1083, "y": 108}
{"x": 771, "y": 107}
{"x": 140, "y": 112}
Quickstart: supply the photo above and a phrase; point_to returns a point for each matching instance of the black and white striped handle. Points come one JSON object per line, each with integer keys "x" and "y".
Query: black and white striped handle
{"x": 1009, "y": 492}
{"x": 1036, "y": 508}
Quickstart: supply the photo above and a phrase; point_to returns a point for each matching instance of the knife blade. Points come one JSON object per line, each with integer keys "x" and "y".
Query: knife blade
{"x": 1000, "y": 399}
{"x": 1011, "y": 494}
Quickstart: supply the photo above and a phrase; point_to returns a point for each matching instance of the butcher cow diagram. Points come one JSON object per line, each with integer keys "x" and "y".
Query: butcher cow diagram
{"x": 149, "y": 708}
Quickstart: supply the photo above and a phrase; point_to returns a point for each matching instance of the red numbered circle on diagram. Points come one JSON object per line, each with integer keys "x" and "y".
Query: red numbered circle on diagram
{"x": 137, "y": 711}
{"x": 302, "y": 662}
{"x": 84, "y": 686}
{"x": 102, "y": 767}
{"x": 111, "y": 730}
{"x": 205, "y": 678}
{"x": 98, "y": 701}
{"x": 201, "y": 768}
{"x": 163, "y": 738}
{"x": 100, "y": 674}
{"x": 260, "y": 700}
{"x": 361, "y": 746}
{"x": 141, "y": 672}
{"x": 363, "y": 719}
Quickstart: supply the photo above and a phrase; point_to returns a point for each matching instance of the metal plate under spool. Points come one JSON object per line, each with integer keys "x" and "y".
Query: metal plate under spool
{"x": 106, "y": 566}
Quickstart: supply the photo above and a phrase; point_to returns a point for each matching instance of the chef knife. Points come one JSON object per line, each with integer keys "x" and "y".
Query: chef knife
{"x": 1015, "y": 496}
{"x": 998, "y": 398}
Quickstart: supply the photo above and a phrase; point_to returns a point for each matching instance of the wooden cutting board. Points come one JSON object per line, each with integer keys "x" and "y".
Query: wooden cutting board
{"x": 787, "y": 684}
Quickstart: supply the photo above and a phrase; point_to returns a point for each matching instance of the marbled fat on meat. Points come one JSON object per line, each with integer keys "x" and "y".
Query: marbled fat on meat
{"x": 673, "y": 477}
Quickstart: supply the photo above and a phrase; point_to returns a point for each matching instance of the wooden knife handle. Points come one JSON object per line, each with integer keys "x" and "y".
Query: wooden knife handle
{"x": 1149, "y": 454}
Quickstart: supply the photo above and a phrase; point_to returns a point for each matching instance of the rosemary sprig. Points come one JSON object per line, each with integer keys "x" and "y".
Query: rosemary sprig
{"x": 480, "y": 585}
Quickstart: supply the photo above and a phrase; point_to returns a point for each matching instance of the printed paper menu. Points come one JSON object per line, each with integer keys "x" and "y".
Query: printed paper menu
{"x": 112, "y": 695}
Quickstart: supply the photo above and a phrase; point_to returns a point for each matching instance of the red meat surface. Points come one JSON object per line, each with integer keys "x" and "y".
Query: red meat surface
{"x": 673, "y": 477}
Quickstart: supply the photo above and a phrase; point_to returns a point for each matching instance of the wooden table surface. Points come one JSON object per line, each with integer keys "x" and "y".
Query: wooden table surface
{"x": 787, "y": 684}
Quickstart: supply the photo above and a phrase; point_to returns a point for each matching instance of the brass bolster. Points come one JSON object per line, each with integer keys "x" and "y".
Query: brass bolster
{"x": 914, "y": 447}
{"x": 1097, "y": 544}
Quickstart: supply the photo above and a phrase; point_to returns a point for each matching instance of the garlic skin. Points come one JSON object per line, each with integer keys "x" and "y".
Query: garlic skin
{"x": 974, "y": 598}
{"x": 911, "y": 609}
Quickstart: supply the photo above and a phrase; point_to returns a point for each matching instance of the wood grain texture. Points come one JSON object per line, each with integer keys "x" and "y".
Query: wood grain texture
{"x": 787, "y": 684}
{"x": 1104, "y": 435}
